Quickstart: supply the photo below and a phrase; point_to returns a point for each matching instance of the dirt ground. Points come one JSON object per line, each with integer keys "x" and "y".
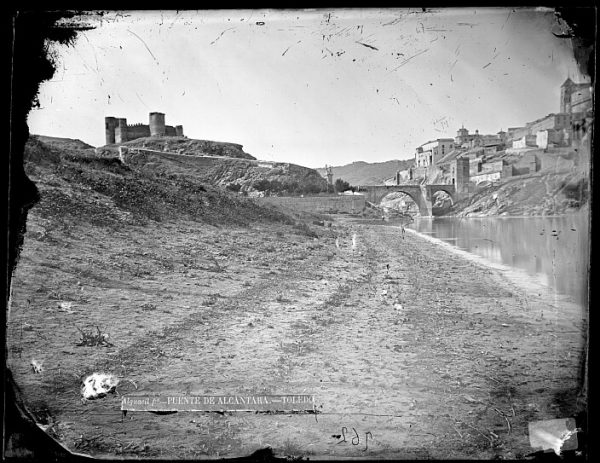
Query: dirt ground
{"x": 436, "y": 357}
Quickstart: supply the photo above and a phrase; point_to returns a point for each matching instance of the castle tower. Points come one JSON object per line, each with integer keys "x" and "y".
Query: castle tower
{"x": 110, "y": 123}
{"x": 462, "y": 176}
{"x": 179, "y": 130}
{"x": 157, "y": 124}
{"x": 121, "y": 130}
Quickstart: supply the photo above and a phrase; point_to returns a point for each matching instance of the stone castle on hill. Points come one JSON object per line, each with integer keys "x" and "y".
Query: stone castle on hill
{"x": 118, "y": 131}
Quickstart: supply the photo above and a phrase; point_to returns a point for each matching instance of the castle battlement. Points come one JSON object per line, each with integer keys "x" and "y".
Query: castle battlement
{"x": 118, "y": 131}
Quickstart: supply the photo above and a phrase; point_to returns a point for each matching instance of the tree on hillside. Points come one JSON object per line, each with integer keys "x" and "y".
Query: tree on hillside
{"x": 261, "y": 185}
{"x": 234, "y": 187}
{"x": 341, "y": 185}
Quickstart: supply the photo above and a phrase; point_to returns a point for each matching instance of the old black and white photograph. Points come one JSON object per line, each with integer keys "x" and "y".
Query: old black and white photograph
{"x": 300, "y": 234}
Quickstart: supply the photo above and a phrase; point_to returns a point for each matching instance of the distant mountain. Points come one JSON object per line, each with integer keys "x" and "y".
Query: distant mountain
{"x": 364, "y": 173}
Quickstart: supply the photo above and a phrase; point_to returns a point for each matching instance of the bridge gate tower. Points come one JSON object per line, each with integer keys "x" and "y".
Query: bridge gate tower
{"x": 462, "y": 176}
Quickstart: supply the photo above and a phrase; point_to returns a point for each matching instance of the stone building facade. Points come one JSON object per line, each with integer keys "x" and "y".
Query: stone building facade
{"x": 550, "y": 122}
{"x": 464, "y": 139}
{"x": 429, "y": 153}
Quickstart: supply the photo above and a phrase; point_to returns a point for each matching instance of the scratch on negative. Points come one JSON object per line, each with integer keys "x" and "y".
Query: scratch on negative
{"x": 221, "y": 35}
{"x": 367, "y": 45}
{"x": 408, "y": 59}
{"x": 486, "y": 65}
{"x": 286, "y": 50}
{"x": 507, "y": 18}
{"x": 141, "y": 40}
{"x": 139, "y": 98}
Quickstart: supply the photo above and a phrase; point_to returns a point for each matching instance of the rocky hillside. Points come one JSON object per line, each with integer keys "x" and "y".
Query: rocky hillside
{"x": 248, "y": 178}
{"x": 288, "y": 179}
{"x": 542, "y": 193}
{"x": 364, "y": 173}
{"x": 63, "y": 143}
{"x": 80, "y": 183}
{"x": 242, "y": 174}
{"x": 184, "y": 145}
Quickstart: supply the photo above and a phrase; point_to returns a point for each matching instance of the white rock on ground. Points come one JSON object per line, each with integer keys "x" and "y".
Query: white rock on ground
{"x": 98, "y": 385}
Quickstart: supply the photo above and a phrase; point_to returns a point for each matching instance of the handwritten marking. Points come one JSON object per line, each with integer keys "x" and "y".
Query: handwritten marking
{"x": 344, "y": 429}
{"x": 356, "y": 439}
{"x": 367, "y": 434}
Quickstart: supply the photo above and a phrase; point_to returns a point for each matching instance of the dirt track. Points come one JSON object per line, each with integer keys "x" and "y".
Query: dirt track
{"x": 435, "y": 358}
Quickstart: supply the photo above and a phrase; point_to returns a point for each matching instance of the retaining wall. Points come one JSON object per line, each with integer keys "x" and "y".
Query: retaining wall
{"x": 322, "y": 204}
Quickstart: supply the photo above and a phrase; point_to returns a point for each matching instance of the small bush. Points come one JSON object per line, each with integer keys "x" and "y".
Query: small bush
{"x": 235, "y": 187}
{"x": 92, "y": 338}
{"x": 305, "y": 230}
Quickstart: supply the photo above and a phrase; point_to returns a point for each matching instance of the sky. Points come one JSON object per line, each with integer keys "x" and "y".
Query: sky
{"x": 311, "y": 87}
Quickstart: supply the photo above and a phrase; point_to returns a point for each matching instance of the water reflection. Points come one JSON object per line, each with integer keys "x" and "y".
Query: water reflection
{"x": 554, "y": 249}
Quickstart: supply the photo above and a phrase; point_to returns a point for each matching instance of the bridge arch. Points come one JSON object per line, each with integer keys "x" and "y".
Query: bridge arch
{"x": 422, "y": 195}
{"x": 450, "y": 190}
{"x": 376, "y": 193}
{"x": 399, "y": 202}
{"x": 440, "y": 201}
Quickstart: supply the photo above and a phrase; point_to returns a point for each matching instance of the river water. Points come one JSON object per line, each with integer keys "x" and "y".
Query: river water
{"x": 554, "y": 251}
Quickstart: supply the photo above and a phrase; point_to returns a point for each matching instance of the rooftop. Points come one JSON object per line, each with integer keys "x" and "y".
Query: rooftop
{"x": 436, "y": 140}
{"x": 451, "y": 156}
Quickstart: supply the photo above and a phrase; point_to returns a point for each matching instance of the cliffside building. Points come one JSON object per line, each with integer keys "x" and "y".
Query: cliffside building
{"x": 464, "y": 139}
{"x": 429, "y": 153}
{"x": 569, "y": 127}
{"x": 118, "y": 131}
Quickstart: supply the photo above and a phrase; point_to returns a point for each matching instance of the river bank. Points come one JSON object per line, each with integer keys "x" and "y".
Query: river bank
{"x": 544, "y": 193}
{"x": 434, "y": 357}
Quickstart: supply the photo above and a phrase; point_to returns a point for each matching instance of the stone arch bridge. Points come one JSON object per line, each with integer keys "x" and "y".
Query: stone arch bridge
{"x": 420, "y": 194}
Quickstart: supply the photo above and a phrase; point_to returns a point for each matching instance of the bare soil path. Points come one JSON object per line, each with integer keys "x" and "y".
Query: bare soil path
{"x": 435, "y": 357}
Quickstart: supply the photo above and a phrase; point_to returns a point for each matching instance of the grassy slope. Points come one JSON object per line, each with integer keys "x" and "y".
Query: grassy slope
{"x": 185, "y": 145}
{"x": 115, "y": 192}
{"x": 291, "y": 178}
{"x": 144, "y": 259}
